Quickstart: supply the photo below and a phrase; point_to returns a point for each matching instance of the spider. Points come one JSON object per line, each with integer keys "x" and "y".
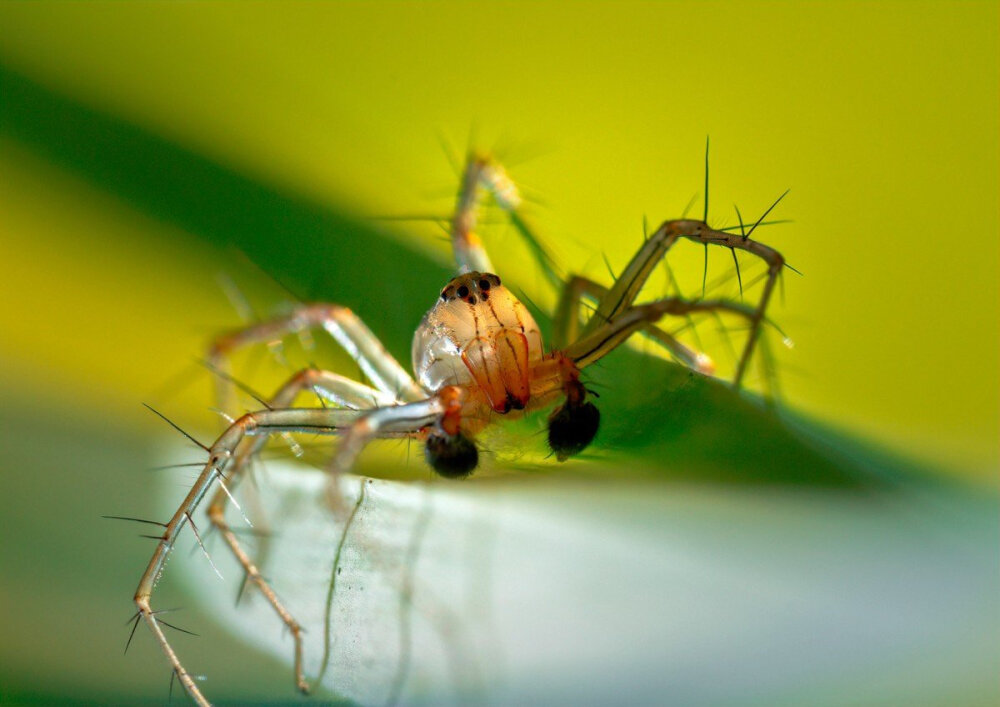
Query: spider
{"x": 478, "y": 356}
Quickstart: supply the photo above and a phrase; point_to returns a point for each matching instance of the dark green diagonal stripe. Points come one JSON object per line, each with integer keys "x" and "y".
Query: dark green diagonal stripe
{"x": 315, "y": 250}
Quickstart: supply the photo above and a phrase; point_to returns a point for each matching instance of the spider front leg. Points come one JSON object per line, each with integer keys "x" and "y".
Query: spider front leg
{"x": 573, "y": 425}
{"x": 605, "y": 338}
{"x": 566, "y": 324}
{"x": 400, "y": 420}
{"x": 329, "y": 386}
{"x": 617, "y": 301}
{"x": 322, "y": 421}
{"x": 346, "y": 328}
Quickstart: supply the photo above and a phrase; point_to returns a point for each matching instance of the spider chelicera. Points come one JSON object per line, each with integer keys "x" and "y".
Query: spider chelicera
{"x": 478, "y": 356}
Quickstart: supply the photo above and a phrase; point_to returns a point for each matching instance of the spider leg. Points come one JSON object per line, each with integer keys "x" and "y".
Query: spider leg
{"x": 470, "y": 253}
{"x": 345, "y": 327}
{"x": 594, "y": 345}
{"x": 322, "y": 421}
{"x": 484, "y": 175}
{"x": 567, "y": 324}
{"x": 329, "y": 386}
{"x": 361, "y": 427}
{"x": 221, "y": 455}
{"x": 622, "y": 294}
{"x": 398, "y": 419}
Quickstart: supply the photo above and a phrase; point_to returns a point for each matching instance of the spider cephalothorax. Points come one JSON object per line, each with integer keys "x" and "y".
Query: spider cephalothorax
{"x": 479, "y": 338}
{"x": 478, "y": 335}
{"x": 478, "y": 357}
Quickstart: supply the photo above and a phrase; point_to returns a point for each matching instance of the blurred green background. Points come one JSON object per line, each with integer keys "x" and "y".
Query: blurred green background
{"x": 140, "y": 141}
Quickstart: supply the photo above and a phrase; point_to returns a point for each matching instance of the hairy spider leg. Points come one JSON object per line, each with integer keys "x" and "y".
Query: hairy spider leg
{"x": 346, "y": 328}
{"x": 593, "y": 346}
{"x": 394, "y": 421}
{"x": 566, "y": 324}
{"x": 622, "y": 294}
{"x": 330, "y": 386}
{"x": 485, "y": 175}
{"x": 220, "y": 454}
{"x": 470, "y": 254}
{"x": 411, "y": 417}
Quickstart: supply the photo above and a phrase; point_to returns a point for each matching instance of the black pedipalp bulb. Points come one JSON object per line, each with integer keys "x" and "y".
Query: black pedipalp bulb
{"x": 451, "y": 456}
{"x": 572, "y": 427}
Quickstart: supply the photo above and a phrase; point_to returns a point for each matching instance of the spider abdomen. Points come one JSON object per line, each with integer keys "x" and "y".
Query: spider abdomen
{"x": 479, "y": 335}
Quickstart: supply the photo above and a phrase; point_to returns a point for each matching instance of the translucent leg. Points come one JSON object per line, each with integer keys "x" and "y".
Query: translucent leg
{"x": 346, "y": 328}
{"x": 331, "y": 387}
{"x": 401, "y": 419}
{"x": 484, "y": 175}
{"x": 567, "y": 324}
{"x": 470, "y": 254}
{"x": 605, "y": 338}
{"x": 623, "y": 293}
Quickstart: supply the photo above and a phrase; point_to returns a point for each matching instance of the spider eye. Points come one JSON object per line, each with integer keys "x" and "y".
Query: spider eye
{"x": 453, "y": 457}
{"x": 463, "y": 291}
{"x": 484, "y": 285}
{"x": 571, "y": 428}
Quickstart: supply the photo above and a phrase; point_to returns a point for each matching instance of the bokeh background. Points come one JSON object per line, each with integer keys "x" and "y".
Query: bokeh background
{"x": 130, "y": 133}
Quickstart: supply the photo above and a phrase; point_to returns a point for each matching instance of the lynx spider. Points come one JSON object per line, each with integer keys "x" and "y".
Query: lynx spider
{"x": 477, "y": 353}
